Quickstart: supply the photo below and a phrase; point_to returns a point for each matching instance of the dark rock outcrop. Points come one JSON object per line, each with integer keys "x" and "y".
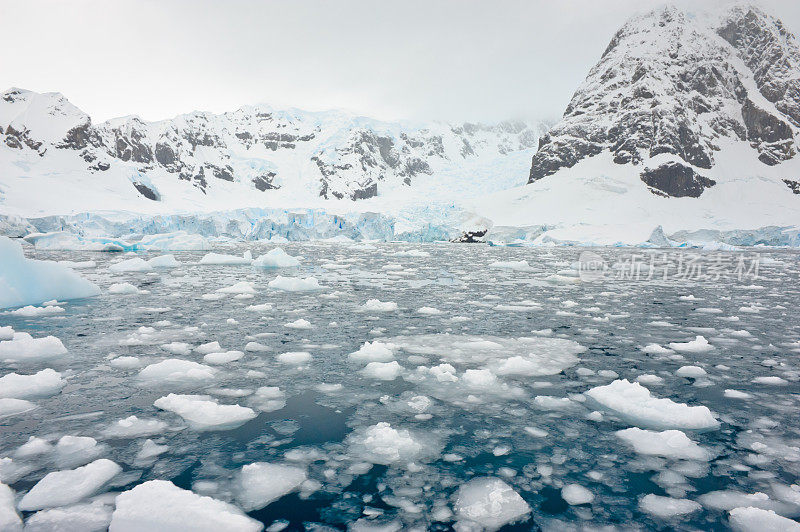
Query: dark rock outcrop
{"x": 675, "y": 180}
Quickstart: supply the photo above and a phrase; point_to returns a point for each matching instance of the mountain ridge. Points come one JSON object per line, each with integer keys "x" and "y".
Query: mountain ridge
{"x": 668, "y": 83}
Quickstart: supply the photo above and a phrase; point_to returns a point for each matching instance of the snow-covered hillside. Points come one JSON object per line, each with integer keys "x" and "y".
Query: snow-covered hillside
{"x": 54, "y": 160}
{"x": 689, "y": 121}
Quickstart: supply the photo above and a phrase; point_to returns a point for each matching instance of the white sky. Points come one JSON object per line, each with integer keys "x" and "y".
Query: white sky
{"x": 419, "y": 59}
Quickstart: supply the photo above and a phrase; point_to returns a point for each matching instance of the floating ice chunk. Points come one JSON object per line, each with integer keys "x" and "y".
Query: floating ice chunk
{"x": 150, "y": 450}
{"x": 36, "y": 312}
{"x": 633, "y": 403}
{"x": 295, "y": 284}
{"x": 429, "y": 311}
{"x": 516, "y": 265}
{"x": 655, "y": 349}
{"x": 204, "y": 413}
{"x": 177, "y": 372}
{"x": 444, "y": 373}
{"x": 692, "y": 372}
{"x": 489, "y": 502}
{"x": 33, "y": 447}
{"x": 131, "y": 265}
{"x": 90, "y": 517}
{"x": 649, "y": 379}
{"x": 698, "y": 345}
{"x": 6, "y": 333}
{"x": 382, "y": 444}
{"x": 9, "y": 518}
{"x": 242, "y": 287}
{"x": 294, "y": 358}
{"x": 256, "y": 347}
{"x": 736, "y": 394}
{"x": 42, "y": 384}
{"x": 375, "y": 305}
{"x": 133, "y": 427}
{"x": 384, "y": 371}
{"x": 263, "y": 307}
{"x": 730, "y": 499}
{"x": 24, "y": 348}
{"x": 61, "y": 488}
{"x": 276, "y": 258}
{"x": 299, "y": 324}
{"x": 222, "y": 357}
{"x": 25, "y": 281}
{"x": 479, "y": 378}
{"x": 771, "y": 380}
{"x": 71, "y": 451}
{"x": 749, "y": 519}
{"x": 669, "y": 443}
{"x": 547, "y": 402}
{"x": 160, "y": 505}
{"x": 374, "y": 352}
{"x": 126, "y": 362}
{"x": 268, "y": 399}
{"x": 575, "y": 494}
{"x": 210, "y": 347}
{"x": 164, "y": 261}
{"x": 177, "y": 348}
{"x": 12, "y": 407}
{"x": 123, "y": 288}
{"x": 260, "y": 483}
{"x": 217, "y": 259}
{"x": 666, "y": 507}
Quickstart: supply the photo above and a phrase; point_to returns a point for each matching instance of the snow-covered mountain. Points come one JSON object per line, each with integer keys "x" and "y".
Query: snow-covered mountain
{"x": 689, "y": 122}
{"x": 672, "y": 90}
{"x": 249, "y": 152}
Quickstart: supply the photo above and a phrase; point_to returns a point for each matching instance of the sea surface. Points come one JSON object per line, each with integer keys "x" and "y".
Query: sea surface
{"x": 479, "y": 370}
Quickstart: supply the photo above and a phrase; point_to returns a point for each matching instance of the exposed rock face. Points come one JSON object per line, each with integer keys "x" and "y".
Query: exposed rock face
{"x": 671, "y": 84}
{"x": 676, "y": 180}
{"x": 336, "y": 155}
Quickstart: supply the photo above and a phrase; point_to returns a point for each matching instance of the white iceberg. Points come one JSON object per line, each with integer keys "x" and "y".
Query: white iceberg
{"x": 26, "y": 281}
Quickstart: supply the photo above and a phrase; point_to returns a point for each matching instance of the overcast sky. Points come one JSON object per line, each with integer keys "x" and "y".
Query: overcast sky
{"x": 418, "y": 59}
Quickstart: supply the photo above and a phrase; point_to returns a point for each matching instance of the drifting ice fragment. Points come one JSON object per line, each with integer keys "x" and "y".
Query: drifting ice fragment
{"x": 260, "y": 483}
{"x": 204, "y": 413}
{"x": 633, "y": 403}
{"x": 60, "y": 488}
{"x": 161, "y": 505}
{"x": 489, "y": 502}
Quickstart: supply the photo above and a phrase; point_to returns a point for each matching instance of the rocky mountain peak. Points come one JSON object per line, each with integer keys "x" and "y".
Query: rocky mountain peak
{"x": 671, "y": 88}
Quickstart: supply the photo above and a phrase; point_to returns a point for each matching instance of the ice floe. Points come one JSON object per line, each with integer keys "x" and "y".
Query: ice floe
{"x": 633, "y": 403}
{"x": 295, "y": 284}
{"x": 260, "y": 483}
{"x": 276, "y": 258}
{"x": 489, "y": 503}
{"x": 160, "y": 505}
{"x": 204, "y": 413}
{"x": 41, "y": 384}
{"x": 24, "y": 348}
{"x": 669, "y": 444}
{"x": 61, "y": 488}
{"x": 176, "y": 372}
